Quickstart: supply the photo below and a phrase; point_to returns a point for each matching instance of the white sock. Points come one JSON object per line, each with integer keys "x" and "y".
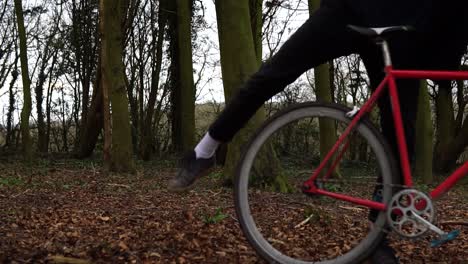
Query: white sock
{"x": 206, "y": 147}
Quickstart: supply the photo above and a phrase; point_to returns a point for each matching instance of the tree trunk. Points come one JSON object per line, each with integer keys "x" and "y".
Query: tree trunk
{"x": 256, "y": 24}
{"x": 238, "y": 62}
{"x": 107, "y": 126}
{"x": 462, "y": 102}
{"x": 94, "y": 121}
{"x": 445, "y": 125}
{"x": 324, "y": 94}
{"x": 41, "y": 128}
{"x": 113, "y": 77}
{"x": 64, "y": 123}
{"x": 452, "y": 133}
{"x": 27, "y": 104}
{"x": 455, "y": 148}
{"x": 424, "y": 130}
{"x": 50, "y": 91}
{"x": 183, "y": 97}
{"x": 140, "y": 98}
{"x": 146, "y": 141}
{"x": 11, "y": 108}
{"x": 130, "y": 84}
{"x": 84, "y": 44}
{"x": 363, "y": 151}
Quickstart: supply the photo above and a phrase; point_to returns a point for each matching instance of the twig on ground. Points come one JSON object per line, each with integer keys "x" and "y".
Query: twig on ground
{"x": 62, "y": 259}
{"x": 351, "y": 208}
{"x": 119, "y": 185}
{"x": 233, "y": 218}
{"x": 19, "y": 194}
{"x": 305, "y": 221}
{"x": 454, "y": 223}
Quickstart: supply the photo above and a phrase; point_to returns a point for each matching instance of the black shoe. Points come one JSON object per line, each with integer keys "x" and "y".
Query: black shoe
{"x": 384, "y": 254}
{"x": 377, "y": 197}
{"x": 192, "y": 169}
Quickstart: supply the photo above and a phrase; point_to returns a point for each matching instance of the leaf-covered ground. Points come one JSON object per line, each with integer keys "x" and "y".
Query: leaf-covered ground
{"x": 69, "y": 212}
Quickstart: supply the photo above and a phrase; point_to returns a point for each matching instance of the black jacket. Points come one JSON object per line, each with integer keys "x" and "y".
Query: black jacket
{"x": 441, "y": 26}
{"x": 427, "y": 16}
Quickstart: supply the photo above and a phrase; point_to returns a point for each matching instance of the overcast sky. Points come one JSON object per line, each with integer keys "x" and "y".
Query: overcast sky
{"x": 214, "y": 89}
{"x": 210, "y": 88}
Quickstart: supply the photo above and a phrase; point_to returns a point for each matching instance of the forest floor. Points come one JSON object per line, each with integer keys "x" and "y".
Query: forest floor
{"x": 66, "y": 211}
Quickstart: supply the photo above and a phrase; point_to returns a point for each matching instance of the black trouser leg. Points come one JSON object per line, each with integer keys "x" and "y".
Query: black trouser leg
{"x": 408, "y": 91}
{"x": 408, "y": 96}
{"x": 322, "y": 37}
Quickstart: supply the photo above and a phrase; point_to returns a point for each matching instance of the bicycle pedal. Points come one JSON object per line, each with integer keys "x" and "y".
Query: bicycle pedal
{"x": 445, "y": 238}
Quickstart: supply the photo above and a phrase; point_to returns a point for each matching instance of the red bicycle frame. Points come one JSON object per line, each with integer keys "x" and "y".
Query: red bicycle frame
{"x": 389, "y": 83}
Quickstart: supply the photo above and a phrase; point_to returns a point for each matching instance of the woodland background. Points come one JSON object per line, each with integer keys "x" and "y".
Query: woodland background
{"x": 91, "y": 88}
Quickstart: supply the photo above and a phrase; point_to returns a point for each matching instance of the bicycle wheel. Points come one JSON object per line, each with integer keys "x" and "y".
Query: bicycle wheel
{"x": 286, "y": 226}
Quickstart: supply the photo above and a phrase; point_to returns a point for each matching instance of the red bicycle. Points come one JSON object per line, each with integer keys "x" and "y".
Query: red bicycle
{"x": 330, "y": 224}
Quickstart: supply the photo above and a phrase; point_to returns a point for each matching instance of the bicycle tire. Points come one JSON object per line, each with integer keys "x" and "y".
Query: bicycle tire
{"x": 336, "y": 112}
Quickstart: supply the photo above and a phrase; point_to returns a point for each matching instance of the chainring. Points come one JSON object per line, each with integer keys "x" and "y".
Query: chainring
{"x": 401, "y": 210}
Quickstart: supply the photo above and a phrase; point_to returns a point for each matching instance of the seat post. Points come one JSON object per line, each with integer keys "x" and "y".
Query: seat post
{"x": 379, "y": 36}
{"x": 386, "y": 52}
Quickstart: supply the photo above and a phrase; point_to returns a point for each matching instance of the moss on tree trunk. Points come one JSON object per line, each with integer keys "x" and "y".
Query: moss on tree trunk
{"x": 27, "y": 104}
{"x": 424, "y": 132}
{"x": 186, "y": 131}
{"x": 113, "y": 76}
{"x": 238, "y": 62}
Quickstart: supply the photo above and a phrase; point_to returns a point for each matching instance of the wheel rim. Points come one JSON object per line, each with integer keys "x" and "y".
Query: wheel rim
{"x": 264, "y": 244}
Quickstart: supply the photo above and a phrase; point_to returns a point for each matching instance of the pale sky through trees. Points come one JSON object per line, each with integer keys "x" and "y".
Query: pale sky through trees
{"x": 294, "y": 19}
{"x": 210, "y": 86}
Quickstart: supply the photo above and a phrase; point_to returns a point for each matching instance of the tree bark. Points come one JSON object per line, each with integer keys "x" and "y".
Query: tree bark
{"x": 11, "y": 108}
{"x": 41, "y": 128}
{"x": 183, "y": 96}
{"x": 324, "y": 94}
{"x": 452, "y": 133}
{"x": 238, "y": 62}
{"x": 146, "y": 141}
{"x": 445, "y": 128}
{"x": 94, "y": 120}
{"x": 84, "y": 43}
{"x": 27, "y": 104}
{"x": 256, "y": 22}
{"x": 113, "y": 77}
{"x": 424, "y": 130}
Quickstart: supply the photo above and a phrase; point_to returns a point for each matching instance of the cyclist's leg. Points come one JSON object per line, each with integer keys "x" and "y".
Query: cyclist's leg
{"x": 411, "y": 54}
{"x": 321, "y": 38}
{"x": 324, "y": 36}
{"x": 408, "y": 94}
{"x": 408, "y": 97}
{"x": 404, "y": 57}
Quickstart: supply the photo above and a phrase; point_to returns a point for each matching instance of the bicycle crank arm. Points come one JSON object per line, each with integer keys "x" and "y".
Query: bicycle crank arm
{"x": 428, "y": 224}
{"x": 443, "y": 236}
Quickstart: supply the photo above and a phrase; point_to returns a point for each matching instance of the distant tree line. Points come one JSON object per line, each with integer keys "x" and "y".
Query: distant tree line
{"x": 123, "y": 76}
